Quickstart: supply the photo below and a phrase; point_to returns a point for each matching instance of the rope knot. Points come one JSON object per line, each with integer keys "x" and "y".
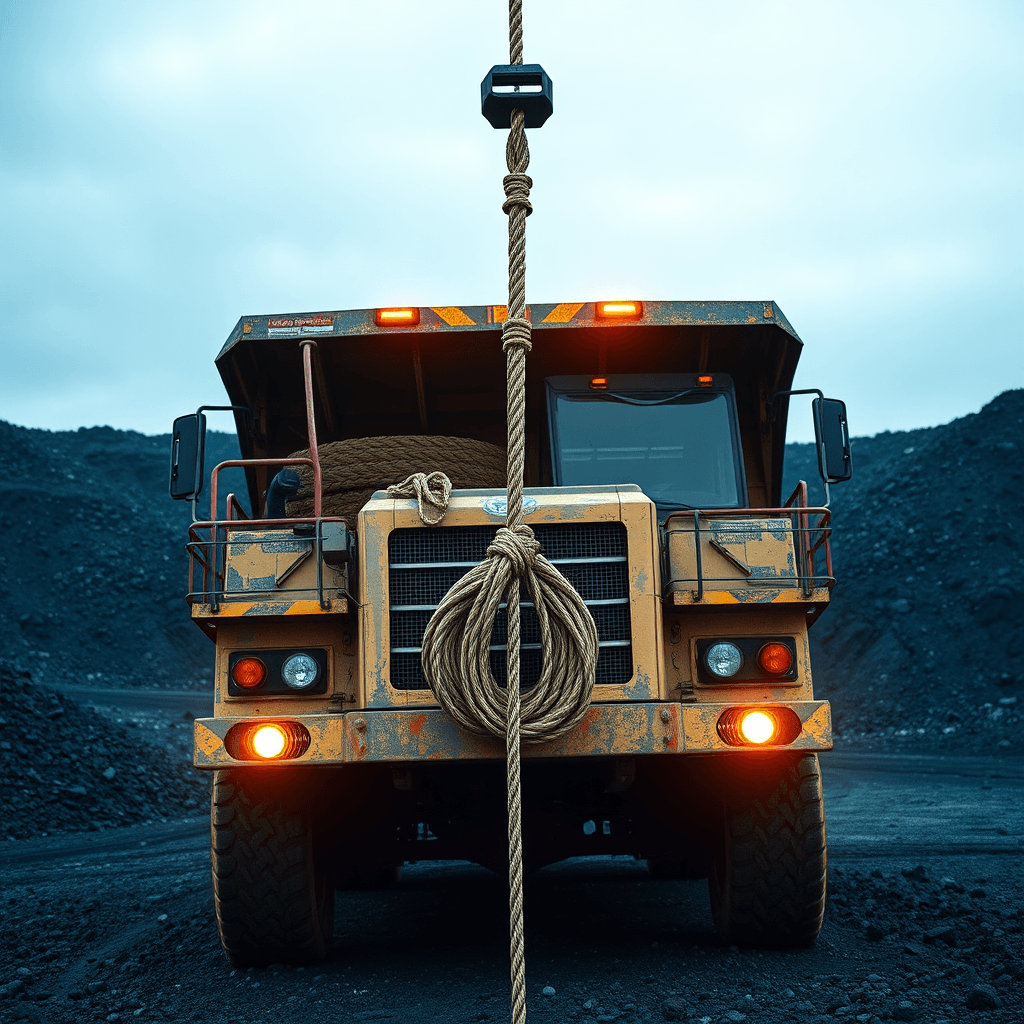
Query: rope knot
{"x": 516, "y": 332}
{"x": 517, "y": 191}
{"x": 431, "y": 491}
{"x": 518, "y": 546}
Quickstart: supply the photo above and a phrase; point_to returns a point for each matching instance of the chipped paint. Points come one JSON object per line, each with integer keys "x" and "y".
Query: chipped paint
{"x": 650, "y": 727}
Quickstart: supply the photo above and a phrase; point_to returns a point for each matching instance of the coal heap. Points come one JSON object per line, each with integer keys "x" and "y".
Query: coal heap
{"x": 92, "y": 551}
{"x": 922, "y": 642}
{"x": 66, "y": 768}
{"x": 919, "y": 648}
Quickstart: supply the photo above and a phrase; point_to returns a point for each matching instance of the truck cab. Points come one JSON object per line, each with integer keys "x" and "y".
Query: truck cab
{"x": 655, "y": 436}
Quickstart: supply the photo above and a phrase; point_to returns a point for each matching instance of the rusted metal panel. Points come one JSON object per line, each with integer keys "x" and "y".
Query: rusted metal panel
{"x": 427, "y": 734}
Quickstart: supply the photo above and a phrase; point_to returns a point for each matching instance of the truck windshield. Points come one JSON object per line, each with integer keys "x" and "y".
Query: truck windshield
{"x": 679, "y": 448}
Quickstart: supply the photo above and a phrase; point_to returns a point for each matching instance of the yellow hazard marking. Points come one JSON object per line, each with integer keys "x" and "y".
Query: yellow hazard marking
{"x": 563, "y": 312}
{"x": 453, "y": 316}
{"x": 500, "y": 314}
{"x": 231, "y": 609}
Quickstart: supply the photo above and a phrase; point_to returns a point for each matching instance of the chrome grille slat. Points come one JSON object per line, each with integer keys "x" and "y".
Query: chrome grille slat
{"x": 425, "y": 563}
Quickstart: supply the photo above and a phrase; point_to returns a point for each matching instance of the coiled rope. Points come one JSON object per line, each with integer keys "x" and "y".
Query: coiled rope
{"x": 456, "y": 643}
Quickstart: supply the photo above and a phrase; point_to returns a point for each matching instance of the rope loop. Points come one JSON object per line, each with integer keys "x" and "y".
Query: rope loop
{"x": 517, "y": 192}
{"x": 432, "y": 492}
{"x": 516, "y": 332}
{"x": 456, "y": 643}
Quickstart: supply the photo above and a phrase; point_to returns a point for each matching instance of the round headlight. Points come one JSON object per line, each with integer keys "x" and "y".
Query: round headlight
{"x": 723, "y": 659}
{"x": 300, "y": 671}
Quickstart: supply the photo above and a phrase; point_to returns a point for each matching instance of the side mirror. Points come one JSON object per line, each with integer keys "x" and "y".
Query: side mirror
{"x": 188, "y": 440}
{"x": 833, "y": 436}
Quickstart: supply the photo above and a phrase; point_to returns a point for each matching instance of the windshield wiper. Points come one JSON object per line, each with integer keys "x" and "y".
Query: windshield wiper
{"x": 605, "y": 395}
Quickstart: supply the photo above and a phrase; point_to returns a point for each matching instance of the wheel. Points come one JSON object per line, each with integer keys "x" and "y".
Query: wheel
{"x": 767, "y": 876}
{"x": 274, "y": 902}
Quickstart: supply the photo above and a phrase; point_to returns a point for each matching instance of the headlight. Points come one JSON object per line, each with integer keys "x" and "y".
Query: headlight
{"x": 723, "y": 660}
{"x": 300, "y": 671}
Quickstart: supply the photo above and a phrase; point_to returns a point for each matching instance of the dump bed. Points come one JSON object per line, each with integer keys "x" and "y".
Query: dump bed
{"x": 443, "y": 372}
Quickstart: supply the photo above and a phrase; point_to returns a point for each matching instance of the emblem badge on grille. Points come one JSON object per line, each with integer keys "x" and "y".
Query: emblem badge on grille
{"x": 497, "y": 506}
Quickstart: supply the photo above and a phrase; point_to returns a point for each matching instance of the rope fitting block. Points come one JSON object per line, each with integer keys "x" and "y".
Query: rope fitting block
{"x": 507, "y": 87}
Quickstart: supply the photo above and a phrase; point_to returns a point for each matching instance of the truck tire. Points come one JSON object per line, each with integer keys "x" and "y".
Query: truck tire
{"x": 767, "y": 876}
{"x": 274, "y": 903}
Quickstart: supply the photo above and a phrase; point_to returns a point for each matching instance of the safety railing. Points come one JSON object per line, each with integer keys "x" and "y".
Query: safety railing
{"x": 208, "y": 542}
{"x": 792, "y": 544}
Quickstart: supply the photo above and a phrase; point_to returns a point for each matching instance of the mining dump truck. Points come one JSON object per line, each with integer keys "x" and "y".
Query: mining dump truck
{"x": 655, "y": 442}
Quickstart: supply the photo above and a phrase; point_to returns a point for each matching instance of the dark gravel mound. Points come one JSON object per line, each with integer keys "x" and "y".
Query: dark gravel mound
{"x": 922, "y": 644}
{"x": 92, "y": 553}
{"x": 66, "y": 768}
{"x": 919, "y": 649}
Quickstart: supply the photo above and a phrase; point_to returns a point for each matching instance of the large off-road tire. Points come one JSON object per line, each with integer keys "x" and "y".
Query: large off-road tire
{"x": 767, "y": 875}
{"x": 274, "y": 902}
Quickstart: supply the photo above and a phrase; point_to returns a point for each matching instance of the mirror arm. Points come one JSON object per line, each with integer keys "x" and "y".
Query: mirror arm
{"x": 817, "y": 434}
{"x": 199, "y": 448}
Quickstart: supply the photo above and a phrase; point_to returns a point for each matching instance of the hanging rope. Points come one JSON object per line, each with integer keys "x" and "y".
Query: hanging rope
{"x": 456, "y": 643}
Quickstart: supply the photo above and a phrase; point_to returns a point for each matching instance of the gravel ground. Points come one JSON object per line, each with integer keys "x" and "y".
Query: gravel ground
{"x": 115, "y": 936}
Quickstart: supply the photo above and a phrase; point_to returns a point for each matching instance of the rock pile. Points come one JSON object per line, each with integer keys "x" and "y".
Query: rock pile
{"x": 92, "y": 555}
{"x": 66, "y": 768}
{"x": 922, "y": 642}
{"x": 920, "y": 647}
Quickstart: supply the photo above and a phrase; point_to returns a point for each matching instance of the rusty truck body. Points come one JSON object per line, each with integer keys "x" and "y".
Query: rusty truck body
{"x": 655, "y": 445}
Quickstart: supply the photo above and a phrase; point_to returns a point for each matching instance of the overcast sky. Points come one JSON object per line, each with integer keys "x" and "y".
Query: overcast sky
{"x": 167, "y": 167}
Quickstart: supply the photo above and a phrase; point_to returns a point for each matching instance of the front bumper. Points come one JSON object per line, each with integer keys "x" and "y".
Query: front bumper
{"x": 427, "y": 734}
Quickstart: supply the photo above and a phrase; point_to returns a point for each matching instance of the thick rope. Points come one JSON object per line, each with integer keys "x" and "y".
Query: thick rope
{"x": 456, "y": 643}
{"x": 432, "y": 492}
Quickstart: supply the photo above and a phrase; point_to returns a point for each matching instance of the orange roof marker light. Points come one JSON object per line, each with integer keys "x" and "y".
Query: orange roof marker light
{"x": 705, "y": 380}
{"x": 599, "y": 383}
{"x": 618, "y": 310}
{"x": 397, "y": 316}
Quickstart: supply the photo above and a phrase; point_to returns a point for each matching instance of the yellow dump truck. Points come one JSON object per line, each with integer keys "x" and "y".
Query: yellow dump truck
{"x": 655, "y": 442}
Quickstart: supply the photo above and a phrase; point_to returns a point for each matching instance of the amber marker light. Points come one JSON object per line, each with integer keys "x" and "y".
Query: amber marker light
{"x": 599, "y": 383}
{"x": 248, "y": 673}
{"x": 759, "y": 727}
{"x": 267, "y": 741}
{"x": 397, "y": 316}
{"x": 705, "y": 380}
{"x": 618, "y": 310}
{"x": 775, "y": 658}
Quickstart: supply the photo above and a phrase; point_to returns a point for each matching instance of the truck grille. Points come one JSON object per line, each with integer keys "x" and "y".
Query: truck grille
{"x": 424, "y": 563}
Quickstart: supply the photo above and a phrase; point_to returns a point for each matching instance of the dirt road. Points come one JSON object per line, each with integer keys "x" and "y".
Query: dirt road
{"x": 118, "y": 926}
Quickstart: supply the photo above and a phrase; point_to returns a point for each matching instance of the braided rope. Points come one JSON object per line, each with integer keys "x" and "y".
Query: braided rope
{"x": 432, "y": 492}
{"x": 456, "y": 643}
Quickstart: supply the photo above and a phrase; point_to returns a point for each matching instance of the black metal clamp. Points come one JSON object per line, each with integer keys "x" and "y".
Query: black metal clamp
{"x": 530, "y": 92}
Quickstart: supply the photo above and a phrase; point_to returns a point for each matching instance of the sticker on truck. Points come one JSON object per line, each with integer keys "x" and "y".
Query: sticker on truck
{"x": 293, "y": 326}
